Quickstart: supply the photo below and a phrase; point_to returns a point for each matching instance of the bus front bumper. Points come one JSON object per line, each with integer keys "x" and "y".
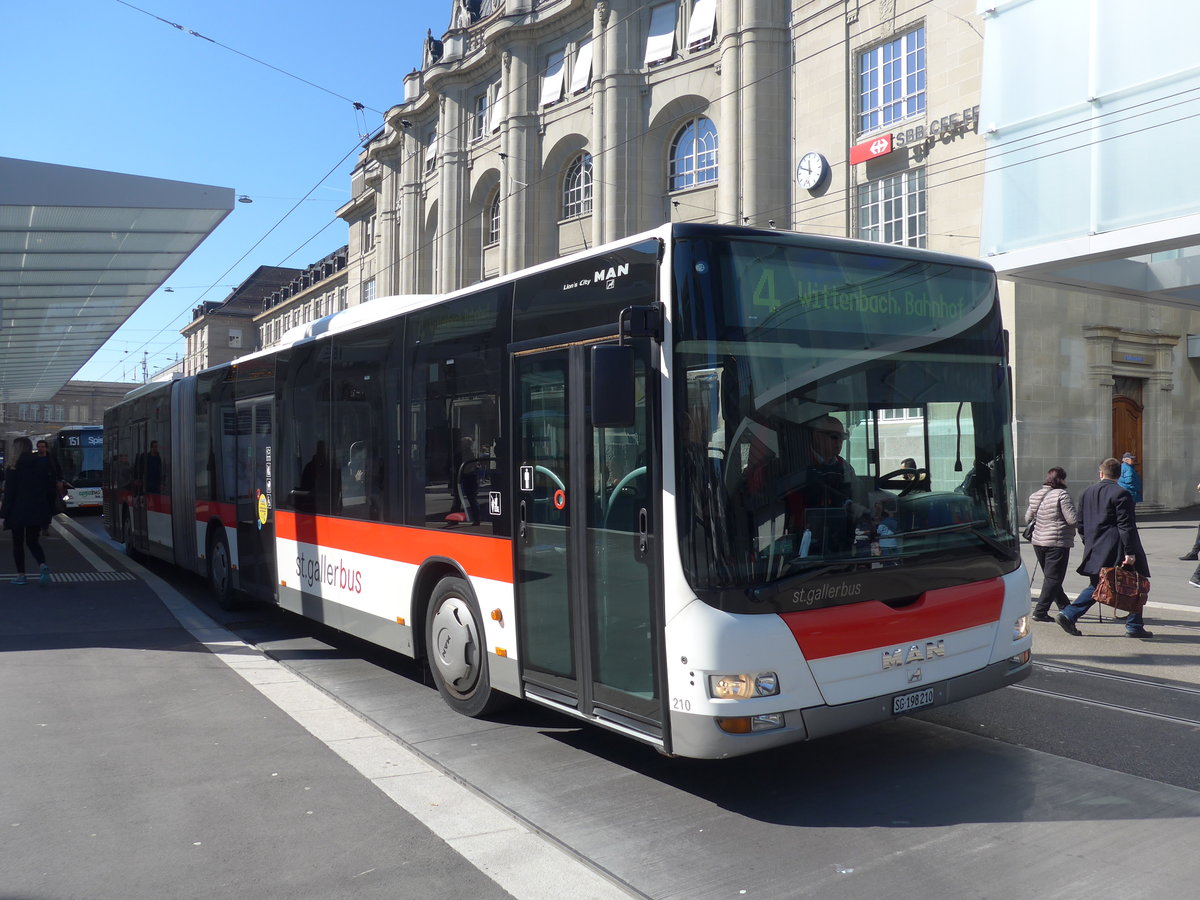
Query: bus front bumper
{"x": 701, "y": 737}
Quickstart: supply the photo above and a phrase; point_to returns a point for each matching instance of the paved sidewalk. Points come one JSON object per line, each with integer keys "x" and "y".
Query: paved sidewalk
{"x": 1173, "y": 613}
{"x": 147, "y": 753}
{"x": 135, "y": 763}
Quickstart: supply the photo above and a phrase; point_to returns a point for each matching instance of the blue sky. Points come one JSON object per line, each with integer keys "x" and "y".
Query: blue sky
{"x": 105, "y": 85}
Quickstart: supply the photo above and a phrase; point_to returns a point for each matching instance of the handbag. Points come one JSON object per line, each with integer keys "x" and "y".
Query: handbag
{"x": 1122, "y": 588}
{"x": 1027, "y": 533}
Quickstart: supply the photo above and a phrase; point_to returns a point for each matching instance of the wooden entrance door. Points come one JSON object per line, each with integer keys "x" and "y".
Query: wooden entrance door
{"x": 1127, "y": 427}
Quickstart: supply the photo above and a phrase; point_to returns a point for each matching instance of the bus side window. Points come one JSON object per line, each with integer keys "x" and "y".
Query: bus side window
{"x": 303, "y": 480}
{"x": 455, "y": 374}
{"x": 358, "y": 392}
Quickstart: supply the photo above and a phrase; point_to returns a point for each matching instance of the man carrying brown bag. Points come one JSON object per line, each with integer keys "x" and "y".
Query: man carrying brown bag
{"x": 1110, "y": 538}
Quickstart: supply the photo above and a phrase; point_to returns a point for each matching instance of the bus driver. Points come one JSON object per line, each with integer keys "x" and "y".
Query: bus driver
{"x": 829, "y": 485}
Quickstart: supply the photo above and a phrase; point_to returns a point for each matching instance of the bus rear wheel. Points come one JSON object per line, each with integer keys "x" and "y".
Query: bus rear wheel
{"x": 458, "y": 655}
{"x": 220, "y": 572}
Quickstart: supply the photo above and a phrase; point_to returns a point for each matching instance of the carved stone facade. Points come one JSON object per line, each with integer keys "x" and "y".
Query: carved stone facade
{"x": 469, "y": 176}
{"x": 472, "y": 174}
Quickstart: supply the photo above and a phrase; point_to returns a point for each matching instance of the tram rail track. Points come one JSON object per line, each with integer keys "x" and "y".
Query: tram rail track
{"x": 1113, "y": 677}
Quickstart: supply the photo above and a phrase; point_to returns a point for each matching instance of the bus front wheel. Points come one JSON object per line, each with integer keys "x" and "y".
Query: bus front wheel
{"x": 457, "y": 651}
{"x": 220, "y": 572}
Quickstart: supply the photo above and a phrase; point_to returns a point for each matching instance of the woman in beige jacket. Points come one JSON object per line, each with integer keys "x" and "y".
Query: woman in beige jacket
{"x": 1054, "y": 525}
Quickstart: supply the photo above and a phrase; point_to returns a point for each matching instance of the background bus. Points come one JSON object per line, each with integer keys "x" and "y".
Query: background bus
{"x": 656, "y": 486}
{"x": 79, "y": 450}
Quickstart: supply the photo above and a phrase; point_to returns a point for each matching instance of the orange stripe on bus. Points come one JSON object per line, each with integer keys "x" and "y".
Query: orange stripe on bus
{"x": 483, "y": 557}
{"x": 869, "y": 624}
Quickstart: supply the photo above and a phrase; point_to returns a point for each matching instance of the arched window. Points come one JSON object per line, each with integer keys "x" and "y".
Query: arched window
{"x": 693, "y": 155}
{"x": 493, "y": 221}
{"x": 577, "y": 187}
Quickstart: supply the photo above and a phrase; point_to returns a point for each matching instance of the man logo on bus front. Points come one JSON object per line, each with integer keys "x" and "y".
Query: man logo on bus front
{"x": 895, "y": 659}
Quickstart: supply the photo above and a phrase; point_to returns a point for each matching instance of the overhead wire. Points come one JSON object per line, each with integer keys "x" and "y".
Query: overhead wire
{"x": 356, "y": 105}
{"x": 251, "y": 249}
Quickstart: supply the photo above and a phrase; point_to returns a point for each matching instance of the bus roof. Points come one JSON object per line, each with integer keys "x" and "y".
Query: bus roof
{"x": 383, "y": 308}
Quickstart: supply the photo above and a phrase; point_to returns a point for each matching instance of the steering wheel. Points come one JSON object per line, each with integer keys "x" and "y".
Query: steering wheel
{"x": 907, "y": 480}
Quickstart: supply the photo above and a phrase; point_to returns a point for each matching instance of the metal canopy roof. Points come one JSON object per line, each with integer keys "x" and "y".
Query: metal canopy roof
{"x": 80, "y": 251}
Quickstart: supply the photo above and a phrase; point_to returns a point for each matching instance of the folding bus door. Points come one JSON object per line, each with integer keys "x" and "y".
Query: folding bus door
{"x": 255, "y": 499}
{"x": 586, "y": 551}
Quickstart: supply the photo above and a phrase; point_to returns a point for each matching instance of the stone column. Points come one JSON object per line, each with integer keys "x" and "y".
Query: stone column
{"x": 410, "y": 215}
{"x": 729, "y": 108}
{"x": 522, "y": 155}
{"x": 452, "y": 175}
{"x": 618, "y": 119}
{"x": 386, "y": 251}
{"x": 764, "y": 123}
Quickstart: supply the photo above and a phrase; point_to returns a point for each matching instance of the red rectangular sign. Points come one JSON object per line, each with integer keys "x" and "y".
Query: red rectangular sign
{"x": 876, "y": 146}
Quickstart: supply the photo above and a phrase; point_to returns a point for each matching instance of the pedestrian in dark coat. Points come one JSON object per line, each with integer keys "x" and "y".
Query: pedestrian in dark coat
{"x": 27, "y": 507}
{"x": 1110, "y": 538}
{"x": 47, "y": 460}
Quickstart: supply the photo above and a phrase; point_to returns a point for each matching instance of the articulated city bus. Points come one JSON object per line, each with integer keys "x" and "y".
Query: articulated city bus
{"x": 715, "y": 488}
{"x": 79, "y": 451}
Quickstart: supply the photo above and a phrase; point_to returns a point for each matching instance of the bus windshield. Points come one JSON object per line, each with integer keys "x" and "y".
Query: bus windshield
{"x": 844, "y": 413}
{"x": 81, "y": 457}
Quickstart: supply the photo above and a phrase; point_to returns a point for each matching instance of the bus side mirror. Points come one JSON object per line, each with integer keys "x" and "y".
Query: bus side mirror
{"x": 613, "y": 400}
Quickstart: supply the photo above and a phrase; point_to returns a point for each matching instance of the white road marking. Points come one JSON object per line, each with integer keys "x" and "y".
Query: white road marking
{"x": 95, "y": 561}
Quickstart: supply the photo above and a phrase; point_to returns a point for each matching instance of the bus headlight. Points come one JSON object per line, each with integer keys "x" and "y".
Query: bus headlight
{"x": 739, "y": 687}
{"x": 1020, "y": 628}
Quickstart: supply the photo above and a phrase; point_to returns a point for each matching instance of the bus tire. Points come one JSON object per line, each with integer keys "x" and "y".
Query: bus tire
{"x": 458, "y": 655}
{"x": 220, "y": 572}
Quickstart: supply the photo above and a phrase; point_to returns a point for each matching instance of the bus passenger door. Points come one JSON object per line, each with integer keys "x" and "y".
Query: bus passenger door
{"x": 586, "y": 552}
{"x": 255, "y": 500}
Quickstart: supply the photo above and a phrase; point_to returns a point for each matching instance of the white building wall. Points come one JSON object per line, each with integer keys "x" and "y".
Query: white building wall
{"x": 1082, "y": 131}
{"x": 1089, "y": 109}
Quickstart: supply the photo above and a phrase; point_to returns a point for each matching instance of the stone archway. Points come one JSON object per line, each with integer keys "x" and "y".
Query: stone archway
{"x": 1131, "y": 372}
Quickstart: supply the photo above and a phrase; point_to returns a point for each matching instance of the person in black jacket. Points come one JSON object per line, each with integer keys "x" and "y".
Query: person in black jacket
{"x": 27, "y": 507}
{"x": 1110, "y": 538}
{"x": 45, "y": 458}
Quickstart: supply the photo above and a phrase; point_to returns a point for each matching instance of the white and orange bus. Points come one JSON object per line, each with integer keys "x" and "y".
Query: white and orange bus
{"x": 80, "y": 454}
{"x": 718, "y": 489}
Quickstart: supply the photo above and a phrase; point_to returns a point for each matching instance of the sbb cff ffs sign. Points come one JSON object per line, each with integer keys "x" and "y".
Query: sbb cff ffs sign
{"x": 877, "y": 146}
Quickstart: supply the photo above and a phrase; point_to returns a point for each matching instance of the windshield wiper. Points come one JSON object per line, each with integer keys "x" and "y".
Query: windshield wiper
{"x": 1003, "y": 551}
